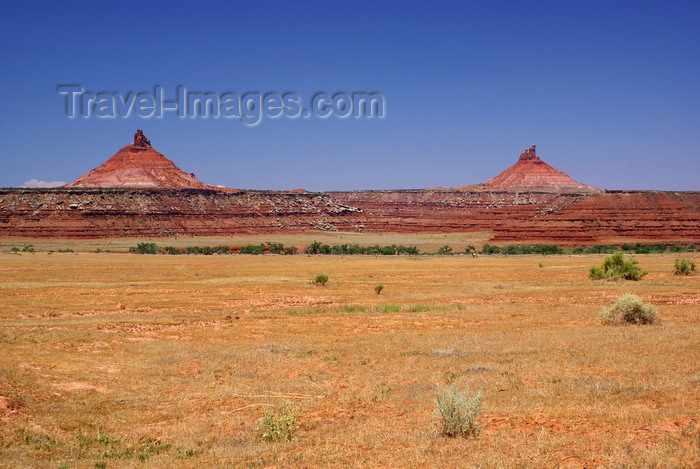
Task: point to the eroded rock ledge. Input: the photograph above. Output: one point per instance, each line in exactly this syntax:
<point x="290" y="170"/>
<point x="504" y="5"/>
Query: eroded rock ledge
<point x="90" y="212"/>
<point x="530" y="216"/>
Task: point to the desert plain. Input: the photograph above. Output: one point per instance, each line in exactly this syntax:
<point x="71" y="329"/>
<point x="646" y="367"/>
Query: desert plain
<point x="111" y="359"/>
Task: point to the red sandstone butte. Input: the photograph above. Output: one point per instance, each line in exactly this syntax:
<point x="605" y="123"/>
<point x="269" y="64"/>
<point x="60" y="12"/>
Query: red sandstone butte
<point x="139" y="166"/>
<point x="531" y="173"/>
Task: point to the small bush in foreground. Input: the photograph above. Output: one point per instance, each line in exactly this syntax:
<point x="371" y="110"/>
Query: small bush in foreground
<point x="630" y="309"/>
<point x="684" y="267"/>
<point x="280" y="425"/>
<point x="458" y="411"/>
<point x="616" y="267"/>
<point x="378" y="288"/>
<point x="321" y="279"/>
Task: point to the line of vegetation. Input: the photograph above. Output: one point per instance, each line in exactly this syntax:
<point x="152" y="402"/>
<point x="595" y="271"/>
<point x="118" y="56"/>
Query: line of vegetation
<point x="548" y="249"/>
<point x="277" y="248"/>
<point x="263" y="248"/>
<point x="522" y="249"/>
<point x="356" y="249"/>
<point x="317" y="248"/>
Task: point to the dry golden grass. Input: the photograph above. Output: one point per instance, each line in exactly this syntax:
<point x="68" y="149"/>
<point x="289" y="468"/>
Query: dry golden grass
<point x="204" y="346"/>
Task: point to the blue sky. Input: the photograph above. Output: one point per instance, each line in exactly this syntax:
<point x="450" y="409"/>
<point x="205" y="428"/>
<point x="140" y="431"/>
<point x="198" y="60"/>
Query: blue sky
<point x="609" y="91"/>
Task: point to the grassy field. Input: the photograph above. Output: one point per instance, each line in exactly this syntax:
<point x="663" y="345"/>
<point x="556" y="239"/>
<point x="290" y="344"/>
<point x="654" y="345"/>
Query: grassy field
<point x="121" y="360"/>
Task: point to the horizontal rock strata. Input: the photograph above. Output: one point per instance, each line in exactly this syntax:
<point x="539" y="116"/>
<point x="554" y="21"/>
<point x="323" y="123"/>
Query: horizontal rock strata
<point x="89" y="213"/>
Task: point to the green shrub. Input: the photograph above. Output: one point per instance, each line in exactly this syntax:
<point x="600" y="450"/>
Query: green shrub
<point x="547" y="249"/>
<point x="355" y="249"/>
<point x="378" y="288"/>
<point x="510" y="250"/>
<point x="313" y="248"/>
<point x="629" y="309"/>
<point x="390" y="250"/>
<point x="280" y="425"/>
<point x="444" y="250"/>
<point x="411" y="250"/>
<point x="321" y="279"/>
<point x="488" y="249"/>
<point x="458" y="411"/>
<point x="596" y="273"/>
<point x="615" y="267"/>
<point x="317" y="248"/>
<point x="599" y="249"/>
<point x="683" y="267"/>
<point x="144" y="248"/>
<point x="275" y="248"/>
<point x="255" y="249"/>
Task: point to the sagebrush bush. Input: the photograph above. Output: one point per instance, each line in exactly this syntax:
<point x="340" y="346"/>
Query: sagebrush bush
<point x="630" y="309"/>
<point x="321" y="279"/>
<point x="458" y="411"/>
<point x="279" y="425"/>
<point x="684" y="267"/>
<point x="616" y="267"/>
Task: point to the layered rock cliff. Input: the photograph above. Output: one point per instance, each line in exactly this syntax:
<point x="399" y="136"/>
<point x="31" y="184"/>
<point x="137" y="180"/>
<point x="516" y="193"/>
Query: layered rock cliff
<point x="534" y="216"/>
<point x="92" y="213"/>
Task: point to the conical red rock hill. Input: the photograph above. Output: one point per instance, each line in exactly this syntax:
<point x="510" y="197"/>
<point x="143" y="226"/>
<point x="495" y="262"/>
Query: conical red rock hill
<point x="531" y="173"/>
<point x="139" y="166"/>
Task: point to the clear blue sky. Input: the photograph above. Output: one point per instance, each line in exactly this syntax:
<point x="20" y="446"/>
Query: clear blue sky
<point x="608" y="90"/>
